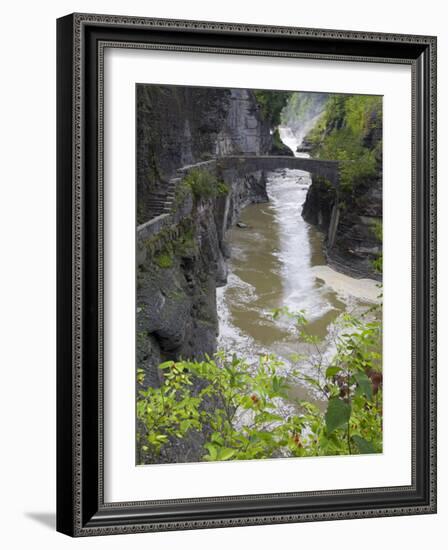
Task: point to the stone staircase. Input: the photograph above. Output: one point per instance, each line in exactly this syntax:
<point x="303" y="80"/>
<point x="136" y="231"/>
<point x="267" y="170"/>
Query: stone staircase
<point x="161" y="200"/>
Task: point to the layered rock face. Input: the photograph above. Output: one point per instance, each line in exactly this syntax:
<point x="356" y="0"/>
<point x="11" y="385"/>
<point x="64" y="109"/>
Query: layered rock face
<point x="180" y="267"/>
<point x="179" y="125"/>
<point x="244" y="131"/>
<point x="351" y="217"/>
<point x="178" y="272"/>
<point x="349" y="223"/>
<point x="176" y="283"/>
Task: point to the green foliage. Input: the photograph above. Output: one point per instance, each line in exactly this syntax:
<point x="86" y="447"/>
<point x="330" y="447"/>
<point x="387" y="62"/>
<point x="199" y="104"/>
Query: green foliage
<point x="238" y="409"/>
<point x="204" y="185"/>
<point x="378" y="232"/>
<point x="378" y="263"/>
<point x="168" y="411"/>
<point x="341" y="135"/>
<point x="337" y="415"/>
<point x="378" y="229"/>
<point x="362" y="112"/>
<point x="182" y="191"/>
<point x="201" y="183"/>
<point x="174" y="245"/>
<point x="345" y="145"/>
<point x="140" y="376"/>
<point x="164" y="259"/>
<point x="222" y="188"/>
<point x="271" y="105"/>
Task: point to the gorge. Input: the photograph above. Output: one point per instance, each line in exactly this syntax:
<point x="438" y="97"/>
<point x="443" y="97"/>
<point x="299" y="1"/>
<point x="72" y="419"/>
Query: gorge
<point x="230" y="229"/>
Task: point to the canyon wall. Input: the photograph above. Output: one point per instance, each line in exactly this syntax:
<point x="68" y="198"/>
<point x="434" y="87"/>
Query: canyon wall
<point x="351" y="214"/>
<point x="180" y="125"/>
<point x="179" y="267"/>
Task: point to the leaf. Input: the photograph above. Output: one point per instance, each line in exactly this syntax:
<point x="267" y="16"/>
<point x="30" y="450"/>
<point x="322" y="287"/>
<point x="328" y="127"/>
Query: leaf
<point x="217" y="438"/>
<point x="225" y="453"/>
<point x="365" y="447"/>
<point x="364" y="384"/>
<point x="338" y="414"/>
<point x="266" y="416"/>
<point x="331" y="371"/>
<point x="184" y="426"/>
<point x="213" y="451"/>
<point x="166" y="365"/>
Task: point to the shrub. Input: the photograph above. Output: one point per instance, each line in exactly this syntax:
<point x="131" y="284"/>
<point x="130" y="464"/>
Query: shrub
<point x="246" y="420"/>
<point x="222" y="188"/>
<point x="271" y="105"/>
<point x="340" y="135"/>
<point x="201" y="183"/>
<point x="344" y="145"/>
<point x="164" y="260"/>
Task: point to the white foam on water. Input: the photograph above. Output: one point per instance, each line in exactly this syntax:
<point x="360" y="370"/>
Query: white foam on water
<point x="287" y="198"/>
<point x="231" y="339"/>
<point x="366" y="290"/>
<point x="304" y="287"/>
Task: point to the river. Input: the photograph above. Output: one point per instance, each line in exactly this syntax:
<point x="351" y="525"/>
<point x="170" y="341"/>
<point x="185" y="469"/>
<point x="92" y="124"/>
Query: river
<point x="277" y="260"/>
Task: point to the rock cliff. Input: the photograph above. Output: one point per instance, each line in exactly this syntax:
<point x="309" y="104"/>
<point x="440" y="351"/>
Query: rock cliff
<point x="181" y="265"/>
<point x="351" y="215"/>
<point x="350" y="224"/>
<point x="180" y="125"/>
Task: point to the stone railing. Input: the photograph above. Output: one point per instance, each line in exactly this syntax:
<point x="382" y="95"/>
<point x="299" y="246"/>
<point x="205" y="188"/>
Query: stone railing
<point x="168" y="212"/>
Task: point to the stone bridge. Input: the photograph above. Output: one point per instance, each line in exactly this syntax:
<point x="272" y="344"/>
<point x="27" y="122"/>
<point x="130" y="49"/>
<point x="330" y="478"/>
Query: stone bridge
<point x="163" y="212"/>
<point x="328" y="169"/>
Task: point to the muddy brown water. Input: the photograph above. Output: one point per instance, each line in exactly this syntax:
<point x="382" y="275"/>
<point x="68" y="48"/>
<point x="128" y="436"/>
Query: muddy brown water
<point x="271" y="267"/>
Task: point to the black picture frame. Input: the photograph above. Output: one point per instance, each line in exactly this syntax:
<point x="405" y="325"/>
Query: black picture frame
<point x="81" y="510"/>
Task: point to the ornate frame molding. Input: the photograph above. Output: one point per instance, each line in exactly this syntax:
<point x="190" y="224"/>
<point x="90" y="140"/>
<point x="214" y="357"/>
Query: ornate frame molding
<point x="81" y="42"/>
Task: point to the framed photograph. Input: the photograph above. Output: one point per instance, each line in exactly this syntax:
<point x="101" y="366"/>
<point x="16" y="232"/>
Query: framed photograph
<point x="246" y="274"/>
